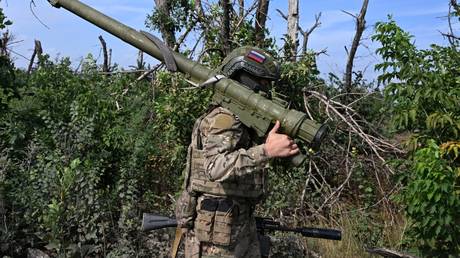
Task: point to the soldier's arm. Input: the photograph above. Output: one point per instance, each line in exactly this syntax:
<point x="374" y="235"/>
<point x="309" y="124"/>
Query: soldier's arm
<point x="278" y="145"/>
<point x="223" y="159"/>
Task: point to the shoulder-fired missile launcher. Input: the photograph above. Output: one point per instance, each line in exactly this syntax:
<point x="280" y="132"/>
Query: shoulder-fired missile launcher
<point x="254" y="110"/>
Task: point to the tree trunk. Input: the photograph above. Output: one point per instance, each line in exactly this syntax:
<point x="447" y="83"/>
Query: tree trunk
<point x="455" y="5"/>
<point x="6" y="37"/>
<point x="38" y="51"/>
<point x="105" y="64"/>
<point x="261" y="18"/>
<point x="306" y="34"/>
<point x="293" y="26"/>
<point x="167" y="32"/>
<point x="241" y="8"/>
<point x="360" y="26"/>
<point x="199" y="9"/>
<point x="140" y="60"/>
<point x="202" y="19"/>
<point x="110" y="58"/>
<point x="225" y="31"/>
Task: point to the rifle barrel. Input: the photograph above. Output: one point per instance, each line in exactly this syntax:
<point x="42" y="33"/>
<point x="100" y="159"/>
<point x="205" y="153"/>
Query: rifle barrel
<point x="153" y="221"/>
<point x="325" y="233"/>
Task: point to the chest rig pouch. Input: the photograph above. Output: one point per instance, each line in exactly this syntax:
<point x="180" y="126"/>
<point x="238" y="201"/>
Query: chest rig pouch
<point x="221" y="221"/>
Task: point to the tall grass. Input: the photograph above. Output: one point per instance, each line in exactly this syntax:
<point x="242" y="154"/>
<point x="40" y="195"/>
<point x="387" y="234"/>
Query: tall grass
<point x="360" y="231"/>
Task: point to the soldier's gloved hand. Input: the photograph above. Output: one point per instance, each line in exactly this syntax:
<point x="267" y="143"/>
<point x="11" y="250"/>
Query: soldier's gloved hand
<point x="279" y="145"/>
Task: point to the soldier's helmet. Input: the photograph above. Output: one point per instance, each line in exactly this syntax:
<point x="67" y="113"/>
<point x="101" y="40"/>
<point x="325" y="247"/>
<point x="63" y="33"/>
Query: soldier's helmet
<point x="249" y="65"/>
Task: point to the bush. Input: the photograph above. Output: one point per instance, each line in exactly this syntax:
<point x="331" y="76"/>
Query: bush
<point x="432" y="199"/>
<point x="423" y="95"/>
<point x="87" y="153"/>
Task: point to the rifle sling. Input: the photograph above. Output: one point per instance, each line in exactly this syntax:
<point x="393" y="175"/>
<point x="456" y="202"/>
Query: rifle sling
<point x="168" y="57"/>
<point x="176" y="243"/>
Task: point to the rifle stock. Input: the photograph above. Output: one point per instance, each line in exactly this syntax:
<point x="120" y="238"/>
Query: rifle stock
<point x="153" y="222"/>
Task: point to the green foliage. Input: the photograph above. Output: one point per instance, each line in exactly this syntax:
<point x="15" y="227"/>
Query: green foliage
<point x="7" y="86"/>
<point x="88" y="153"/>
<point x="8" y="89"/>
<point x="423" y="97"/>
<point x="423" y="85"/>
<point x="84" y="154"/>
<point x="432" y="197"/>
<point x="297" y="76"/>
<point x="179" y="16"/>
<point x="365" y="230"/>
<point x="3" y="20"/>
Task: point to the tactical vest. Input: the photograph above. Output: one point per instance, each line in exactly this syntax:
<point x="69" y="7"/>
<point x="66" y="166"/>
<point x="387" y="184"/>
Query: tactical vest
<point x="217" y="220"/>
<point x="250" y="186"/>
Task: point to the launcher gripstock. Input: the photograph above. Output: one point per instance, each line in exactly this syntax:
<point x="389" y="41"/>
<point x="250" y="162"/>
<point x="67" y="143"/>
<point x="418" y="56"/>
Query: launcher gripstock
<point x="153" y="221"/>
<point x="254" y="110"/>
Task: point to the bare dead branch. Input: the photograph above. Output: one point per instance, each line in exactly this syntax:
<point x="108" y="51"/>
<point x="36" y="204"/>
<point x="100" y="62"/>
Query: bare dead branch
<point x="455" y="5"/>
<point x="225" y="31"/>
<point x="350" y="123"/>
<point x="79" y="65"/>
<point x="451" y="37"/>
<point x="140" y="78"/>
<point x="348" y="116"/>
<point x="126" y="71"/>
<point x="240" y="8"/>
<point x="31" y="5"/>
<point x="261" y="18"/>
<point x="249" y="11"/>
<point x="306" y="34"/>
<point x="337" y="192"/>
<point x="321" y="52"/>
<point x="293" y="27"/>
<point x="146" y="73"/>
<point x="385" y="252"/>
<point x="167" y="33"/>
<point x="140" y="60"/>
<point x="203" y="21"/>
<point x="360" y="27"/>
<point x="352" y="15"/>
<point x="4" y="42"/>
<point x="37" y="52"/>
<point x="282" y="14"/>
<point x="105" y="64"/>
<point x="192" y="52"/>
<point x="184" y="35"/>
<point x="110" y="58"/>
<point x="307" y="181"/>
<point x="199" y="8"/>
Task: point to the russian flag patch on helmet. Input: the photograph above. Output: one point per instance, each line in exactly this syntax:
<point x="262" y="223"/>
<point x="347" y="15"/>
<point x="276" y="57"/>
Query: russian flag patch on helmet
<point x="256" y="56"/>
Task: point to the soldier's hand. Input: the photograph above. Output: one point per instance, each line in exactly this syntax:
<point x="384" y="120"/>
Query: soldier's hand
<point x="279" y="145"/>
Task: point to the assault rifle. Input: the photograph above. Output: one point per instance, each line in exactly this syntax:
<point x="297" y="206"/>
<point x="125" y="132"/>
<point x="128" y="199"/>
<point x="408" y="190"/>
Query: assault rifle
<point x="153" y="221"/>
<point x="254" y="110"/>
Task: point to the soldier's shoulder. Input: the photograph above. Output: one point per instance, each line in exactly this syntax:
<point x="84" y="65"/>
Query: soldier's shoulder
<point x="220" y="118"/>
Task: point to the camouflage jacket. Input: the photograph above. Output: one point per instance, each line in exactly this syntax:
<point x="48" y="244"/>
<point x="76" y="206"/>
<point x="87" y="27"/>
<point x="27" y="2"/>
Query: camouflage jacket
<point x="228" y="147"/>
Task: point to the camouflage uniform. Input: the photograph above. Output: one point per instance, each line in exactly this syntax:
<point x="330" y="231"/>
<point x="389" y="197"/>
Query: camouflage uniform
<point x="224" y="225"/>
<point x="225" y="173"/>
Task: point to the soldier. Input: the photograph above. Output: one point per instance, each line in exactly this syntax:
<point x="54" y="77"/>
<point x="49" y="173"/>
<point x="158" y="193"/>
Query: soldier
<point x="225" y="176"/>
